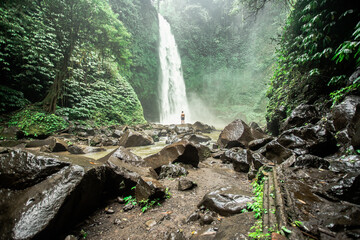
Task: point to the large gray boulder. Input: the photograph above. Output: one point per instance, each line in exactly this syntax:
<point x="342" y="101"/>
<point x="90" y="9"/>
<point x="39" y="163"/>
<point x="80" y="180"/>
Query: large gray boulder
<point x="183" y="152"/>
<point x="226" y="201"/>
<point x="302" y="114"/>
<point x="134" y="139"/>
<point x="238" y="134"/>
<point x="42" y="195"/>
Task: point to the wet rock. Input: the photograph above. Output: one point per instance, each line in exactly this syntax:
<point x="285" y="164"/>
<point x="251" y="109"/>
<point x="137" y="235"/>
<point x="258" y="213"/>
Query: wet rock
<point x="81" y="149"/>
<point x="238" y="134"/>
<point x="311" y="161"/>
<point x="180" y="129"/>
<point x="176" y="236"/>
<point x="201" y="127"/>
<point x="275" y="152"/>
<point x="97" y="140"/>
<point x="344" y="112"/>
<point x="117" y="221"/>
<point x="236" y="227"/>
<point x="354" y="129"/>
<point x="258" y="143"/>
<point x="312" y="196"/>
<point x="120" y="200"/>
<point x="172" y="138"/>
<point x="125" y="163"/>
<point x="21" y="169"/>
<point x="206" y="219"/>
<point x="109" y="210"/>
<point x="345" y="164"/>
<point x="172" y="171"/>
<point x="193" y="217"/>
<point x="258" y="160"/>
<point x="226" y="201"/>
<point x="197" y="138"/>
<point x="127" y="156"/>
<point x="183" y="152"/>
<point x="319" y="140"/>
<point x="240" y="158"/>
<point x="71" y="237"/>
<point x="149" y="188"/>
<point x="40" y="143"/>
<point x="185" y="184"/>
<point x="117" y="133"/>
<point x="134" y="139"/>
<point x="128" y="207"/>
<point x="347" y="188"/>
<point x="302" y="114"/>
<point x="150" y="223"/>
<point x="256" y="126"/>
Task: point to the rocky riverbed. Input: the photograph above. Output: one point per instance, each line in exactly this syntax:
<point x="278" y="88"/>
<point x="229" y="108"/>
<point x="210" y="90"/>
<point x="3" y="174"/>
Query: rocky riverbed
<point x="199" y="187"/>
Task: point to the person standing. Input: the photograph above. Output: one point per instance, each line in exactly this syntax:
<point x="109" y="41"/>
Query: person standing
<point x="182" y="117"/>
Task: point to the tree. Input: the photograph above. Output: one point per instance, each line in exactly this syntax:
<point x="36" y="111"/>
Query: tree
<point x="79" y="23"/>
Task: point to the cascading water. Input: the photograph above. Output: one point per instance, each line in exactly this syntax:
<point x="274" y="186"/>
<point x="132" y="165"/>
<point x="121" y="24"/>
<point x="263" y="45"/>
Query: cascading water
<point x="172" y="90"/>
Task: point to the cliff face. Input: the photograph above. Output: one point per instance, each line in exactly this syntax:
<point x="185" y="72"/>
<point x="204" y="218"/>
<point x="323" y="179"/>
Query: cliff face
<point x="315" y="59"/>
<point x="140" y="18"/>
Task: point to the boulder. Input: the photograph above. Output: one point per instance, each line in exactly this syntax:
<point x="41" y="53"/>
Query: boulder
<point x="302" y="114"/>
<point x="134" y="139"/>
<point x="275" y="152"/>
<point x="184" y="128"/>
<point x="124" y="162"/>
<point x="149" y="188"/>
<point x="238" y="134"/>
<point x="197" y="138"/>
<point x="236" y="227"/>
<point x="344" y="112"/>
<point x="311" y="161"/>
<point x="354" y="129"/>
<point x="22" y="169"/>
<point x="226" y="201"/>
<point x="346" y="188"/>
<point x="240" y="158"/>
<point x="345" y="164"/>
<point x="258" y="143"/>
<point x="117" y="133"/>
<point x="82" y="149"/>
<point x="183" y="152"/>
<point x="42" y="196"/>
<point x="40" y="143"/>
<point x="172" y="171"/>
<point x="256" y="126"/>
<point x="313" y="139"/>
<point x="201" y="127"/>
<point x="185" y="184"/>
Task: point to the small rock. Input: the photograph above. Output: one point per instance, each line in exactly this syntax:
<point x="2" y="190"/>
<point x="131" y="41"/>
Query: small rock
<point x="128" y="207"/>
<point x="193" y="217"/>
<point x="150" y="223"/>
<point x="117" y="221"/>
<point x="176" y="236"/>
<point x="70" y="237"/>
<point x="206" y="219"/>
<point x="120" y="200"/>
<point x="109" y="210"/>
<point x="185" y="184"/>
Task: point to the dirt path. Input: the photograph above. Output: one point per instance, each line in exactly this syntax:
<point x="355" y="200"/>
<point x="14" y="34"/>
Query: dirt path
<point x="158" y="222"/>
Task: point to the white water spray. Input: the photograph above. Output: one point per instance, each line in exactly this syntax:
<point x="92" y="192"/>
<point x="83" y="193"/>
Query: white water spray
<point x="172" y="90"/>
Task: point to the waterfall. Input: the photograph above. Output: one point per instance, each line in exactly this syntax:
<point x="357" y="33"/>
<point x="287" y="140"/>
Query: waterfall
<point x="172" y="90"/>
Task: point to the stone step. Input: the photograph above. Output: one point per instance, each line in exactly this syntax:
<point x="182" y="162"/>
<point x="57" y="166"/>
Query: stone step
<point x="274" y="216"/>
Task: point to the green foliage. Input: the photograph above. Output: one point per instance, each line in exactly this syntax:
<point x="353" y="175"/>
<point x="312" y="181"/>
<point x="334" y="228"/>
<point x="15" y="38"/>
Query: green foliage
<point x="11" y="99"/>
<point x="34" y="122"/>
<point x="140" y="18"/>
<point x="305" y="70"/>
<point x="80" y="45"/>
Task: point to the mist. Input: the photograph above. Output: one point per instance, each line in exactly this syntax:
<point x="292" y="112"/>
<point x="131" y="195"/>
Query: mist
<point x="227" y="57"/>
